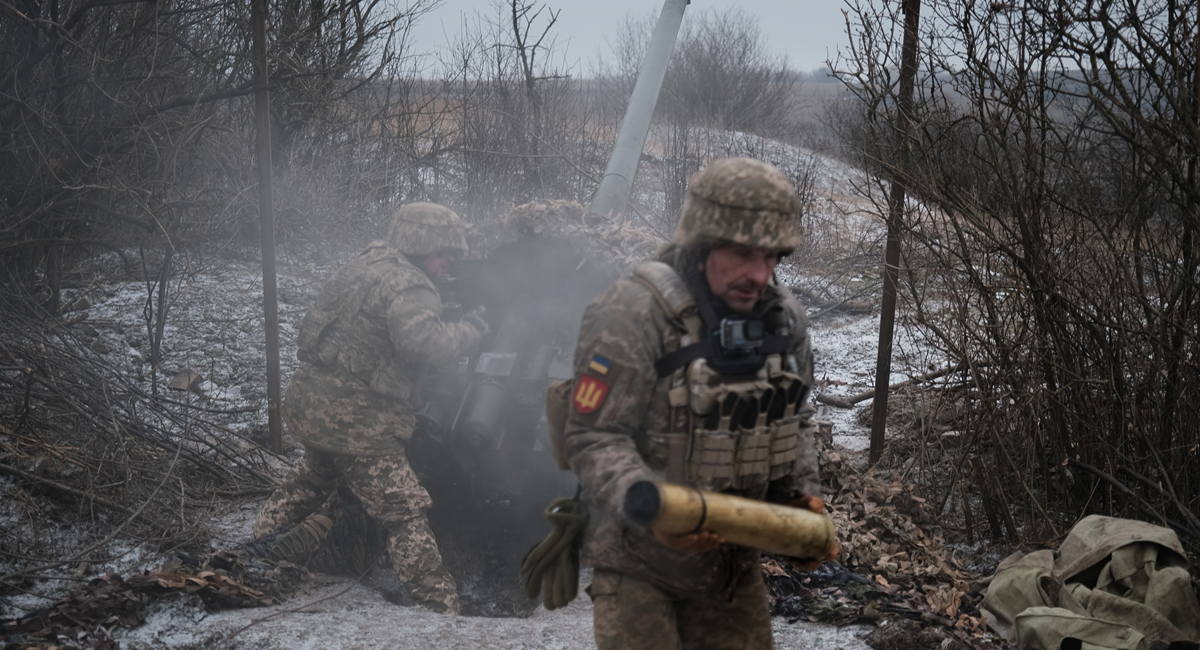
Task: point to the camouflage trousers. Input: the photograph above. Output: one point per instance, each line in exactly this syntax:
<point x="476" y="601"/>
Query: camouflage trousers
<point x="634" y="615"/>
<point x="390" y="492"/>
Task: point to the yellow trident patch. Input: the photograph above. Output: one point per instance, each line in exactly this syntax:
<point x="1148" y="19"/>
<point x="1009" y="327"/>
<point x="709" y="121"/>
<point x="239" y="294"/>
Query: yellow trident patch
<point x="589" y="394"/>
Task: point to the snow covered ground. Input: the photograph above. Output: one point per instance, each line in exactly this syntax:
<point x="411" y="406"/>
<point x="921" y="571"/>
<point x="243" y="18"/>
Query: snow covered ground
<point x="346" y="614"/>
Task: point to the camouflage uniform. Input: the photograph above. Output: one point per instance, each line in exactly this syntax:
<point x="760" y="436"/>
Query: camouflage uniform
<point x="364" y="347"/>
<point x="646" y="595"/>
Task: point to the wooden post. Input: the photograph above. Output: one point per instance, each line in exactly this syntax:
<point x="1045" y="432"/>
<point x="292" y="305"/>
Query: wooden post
<point x="266" y="216"/>
<point x="968" y="520"/>
<point x="985" y="497"/>
<point x="891" y="262"/>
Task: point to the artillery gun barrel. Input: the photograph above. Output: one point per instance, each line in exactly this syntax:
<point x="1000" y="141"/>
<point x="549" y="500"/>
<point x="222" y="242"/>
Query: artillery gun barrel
<point x="613" y="193"/>
<point x="680" y="510"/>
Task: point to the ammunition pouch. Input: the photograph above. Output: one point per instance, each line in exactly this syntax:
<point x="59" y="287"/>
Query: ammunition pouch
<point x="744" y="432"/>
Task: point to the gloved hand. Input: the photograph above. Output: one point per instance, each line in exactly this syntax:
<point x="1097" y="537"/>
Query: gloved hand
<point x="552" y="567"/>
<point x="817" y="505"/>
<point x="474" y="318"/>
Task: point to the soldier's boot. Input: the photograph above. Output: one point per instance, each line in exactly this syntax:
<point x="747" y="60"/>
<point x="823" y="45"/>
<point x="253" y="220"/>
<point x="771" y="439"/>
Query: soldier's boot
<point x="303" y="492"/>
<point x="302" y="541"/>
<point x="415" y="556"/>
<point x="436" y="592"/>
<point x="353" y="546"/>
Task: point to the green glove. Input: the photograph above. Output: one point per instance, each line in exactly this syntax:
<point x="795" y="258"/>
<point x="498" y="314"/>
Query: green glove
<point x="552" y="567"/>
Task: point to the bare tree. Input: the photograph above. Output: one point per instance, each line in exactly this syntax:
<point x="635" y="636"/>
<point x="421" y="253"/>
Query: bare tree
<point x="1053" y="255"/>
<point x="112" y="116"/>
<point x="722" y="75"/>
<point x="519" y="117"/>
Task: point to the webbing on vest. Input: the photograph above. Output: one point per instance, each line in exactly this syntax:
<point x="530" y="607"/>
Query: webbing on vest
<point x="672" y="361"/>
<point x="676" y="295"/>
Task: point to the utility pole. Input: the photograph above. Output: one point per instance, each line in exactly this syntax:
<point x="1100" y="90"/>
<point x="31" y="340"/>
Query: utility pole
<point x="266" y="219"/>
<point x="891" y="262"/>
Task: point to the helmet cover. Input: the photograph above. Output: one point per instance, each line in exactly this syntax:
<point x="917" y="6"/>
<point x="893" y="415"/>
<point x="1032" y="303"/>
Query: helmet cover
<point x="739" y="201"/>
<point x="419" y="229"/>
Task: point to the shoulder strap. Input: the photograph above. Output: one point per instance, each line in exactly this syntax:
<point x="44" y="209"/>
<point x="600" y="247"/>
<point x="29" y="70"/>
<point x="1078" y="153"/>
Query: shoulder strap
<point x="666" y="284"/>
<point x="671" y="291"/>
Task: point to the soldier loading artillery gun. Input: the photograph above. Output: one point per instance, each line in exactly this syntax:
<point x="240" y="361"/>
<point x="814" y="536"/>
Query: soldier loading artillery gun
<point x="484" y="425"/>
<point x="479" y="436"/>
<point x="364" y="349"/>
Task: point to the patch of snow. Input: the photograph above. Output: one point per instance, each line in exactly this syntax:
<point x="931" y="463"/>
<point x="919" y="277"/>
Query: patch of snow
<point x="347" y="614"/>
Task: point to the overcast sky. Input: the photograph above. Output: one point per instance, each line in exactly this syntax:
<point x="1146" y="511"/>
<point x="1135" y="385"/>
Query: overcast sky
<point x="805" y="31"/>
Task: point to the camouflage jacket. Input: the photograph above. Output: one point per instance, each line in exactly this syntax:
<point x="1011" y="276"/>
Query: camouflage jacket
<point x="629" y="328"/>
<point x="365" y="347"/>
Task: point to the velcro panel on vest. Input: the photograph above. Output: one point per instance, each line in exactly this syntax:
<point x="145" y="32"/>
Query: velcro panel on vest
<point x="754" y="451"/>
<point x="713" y="458"/>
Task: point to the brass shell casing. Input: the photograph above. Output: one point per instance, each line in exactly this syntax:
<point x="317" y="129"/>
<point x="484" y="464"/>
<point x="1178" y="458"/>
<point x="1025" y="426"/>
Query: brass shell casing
<point x="680" y="510"/>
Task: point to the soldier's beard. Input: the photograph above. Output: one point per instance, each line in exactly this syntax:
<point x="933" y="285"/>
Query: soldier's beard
<point x="741" y="296"/>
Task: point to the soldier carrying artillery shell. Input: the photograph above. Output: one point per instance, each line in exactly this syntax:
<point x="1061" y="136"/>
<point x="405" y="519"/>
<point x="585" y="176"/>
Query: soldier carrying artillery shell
<point x="696" y="370"/>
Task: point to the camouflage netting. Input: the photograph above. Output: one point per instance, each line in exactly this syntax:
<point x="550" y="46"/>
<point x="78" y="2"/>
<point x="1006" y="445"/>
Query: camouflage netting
<point x="617" y="244"/>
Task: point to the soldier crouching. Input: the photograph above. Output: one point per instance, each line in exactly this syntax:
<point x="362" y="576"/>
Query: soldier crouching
<point x="696" y="370"/>
<point x="364" y="349"/>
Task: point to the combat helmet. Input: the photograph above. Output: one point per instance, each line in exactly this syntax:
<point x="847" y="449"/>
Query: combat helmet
<point x="419" y="229"/>
<point x="739" y="201"/>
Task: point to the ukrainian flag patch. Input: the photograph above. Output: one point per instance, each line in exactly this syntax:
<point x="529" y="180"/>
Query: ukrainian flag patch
<point x="599" y="364"/>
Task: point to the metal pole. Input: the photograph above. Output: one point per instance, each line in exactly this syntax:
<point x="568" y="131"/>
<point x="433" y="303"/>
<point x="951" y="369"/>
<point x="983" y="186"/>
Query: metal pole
<point x="891" y="261"/>
<point x="262" y="113"/>
<point x="613" y="193"/>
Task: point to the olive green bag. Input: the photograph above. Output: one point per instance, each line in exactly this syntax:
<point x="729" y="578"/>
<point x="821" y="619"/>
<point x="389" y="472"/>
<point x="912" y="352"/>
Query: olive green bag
<point x="552" y="566"/>
<point x="1114" y="583"/>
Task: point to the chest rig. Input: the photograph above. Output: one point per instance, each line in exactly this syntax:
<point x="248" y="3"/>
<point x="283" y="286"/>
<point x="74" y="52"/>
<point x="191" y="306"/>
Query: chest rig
<point x="734" y="403"/>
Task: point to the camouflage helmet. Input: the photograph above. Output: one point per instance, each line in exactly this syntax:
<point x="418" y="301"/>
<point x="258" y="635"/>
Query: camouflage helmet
<point x="739" y="201"/>
<point x="419" y="229"/>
